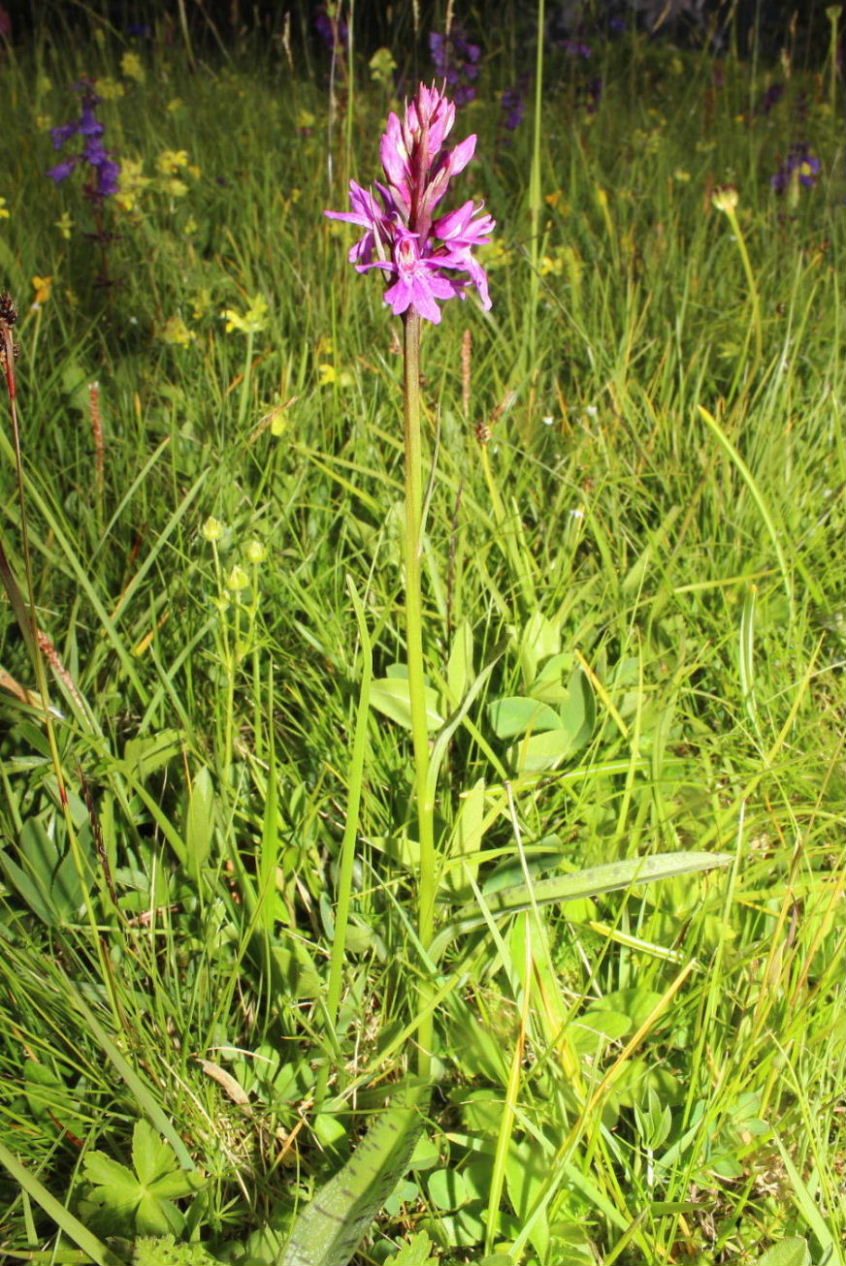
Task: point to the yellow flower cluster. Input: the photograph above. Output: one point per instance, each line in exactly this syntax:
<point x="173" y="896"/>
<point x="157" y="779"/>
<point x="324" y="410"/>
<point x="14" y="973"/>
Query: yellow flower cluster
<point x="110" y="89"/>
<point x="43" y="287"/>
<point x="250" y="322"/>
<point x="170" y="161"/>
<point x="176" y="333"/>
<point x="132" y="66"/>
<point x="169" y="165"/>
<point x="132" y="183"/>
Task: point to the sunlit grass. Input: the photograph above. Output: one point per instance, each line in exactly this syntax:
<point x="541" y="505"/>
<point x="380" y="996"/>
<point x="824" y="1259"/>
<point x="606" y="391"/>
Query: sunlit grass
<point x="670" y="1058"/>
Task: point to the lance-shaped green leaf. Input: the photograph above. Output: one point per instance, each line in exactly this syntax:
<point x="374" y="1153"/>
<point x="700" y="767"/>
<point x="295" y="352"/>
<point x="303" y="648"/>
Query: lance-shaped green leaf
<point x="584" y="883"/>
<point x="330" y="1229"/>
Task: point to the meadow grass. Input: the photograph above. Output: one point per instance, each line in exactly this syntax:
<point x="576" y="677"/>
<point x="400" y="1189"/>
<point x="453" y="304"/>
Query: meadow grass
<point x="635" y="514"/>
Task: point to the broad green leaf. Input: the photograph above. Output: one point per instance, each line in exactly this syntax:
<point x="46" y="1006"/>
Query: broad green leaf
<point x="517" y="714"/>
<point x="146" y="755"/>
<point x="792" y="1251"/>
<point x="541" y="638"/>
<point x="29" y="891"/>
<point x="446" y="1189"/>
<point x="414" y="1253"/>
<point x="75" y="382"/>
<point x="526" y="1170"/>
<point x="199" y="825"/>
<point x="550" y="684"/>
<point x="460" y="663"/>
<point x="595" y="1029"/>
<point x="636" y="1002"/>
<point x="541" y="751"/>
<point x="121" y="1184"/>
<point x="578" y="711"/>
<point x="158" y="1217"/>
<point x="46" y="1092"/>
<point x="46" y="878"/>
<point x="390" y="696"/>
<point x="151" y="1156"/>
<point x="329" y="1230"/>
<point x="466" y="838"/>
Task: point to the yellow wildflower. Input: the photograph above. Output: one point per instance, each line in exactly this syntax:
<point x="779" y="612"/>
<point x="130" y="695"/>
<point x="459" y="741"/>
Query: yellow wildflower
<point x="132" y="67"/>
<point x="110" y="89"/>
<point x="202" y="304"/>
<point x="133" y="182"/>
<point x="175" y="105"/>
<point x="494" y="254"/>
<point x="175" y="188"/>
<point x="327" y="374"/>
<point x="252" y="321"/>
<point x="725" y="199"/>
<point x="4" y="210"/>
<point x="176" y="332"/>
<point x="170" y="161"/>
<point x="382" y="67"/>
<point x="43" y="122"/>
<point x="305" y="119"/>
<point x="43" y="290"/>
<point x="65" y="225"/>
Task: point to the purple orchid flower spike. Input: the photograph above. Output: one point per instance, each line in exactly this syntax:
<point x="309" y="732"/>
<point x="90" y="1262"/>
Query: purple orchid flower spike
<point x="418" y="253"/>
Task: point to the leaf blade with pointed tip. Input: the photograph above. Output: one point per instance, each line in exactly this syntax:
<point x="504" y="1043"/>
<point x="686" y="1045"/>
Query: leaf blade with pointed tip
<point x="329" y="1230"/>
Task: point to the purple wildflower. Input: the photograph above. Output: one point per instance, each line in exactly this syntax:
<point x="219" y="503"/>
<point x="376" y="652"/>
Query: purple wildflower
<point x="770" y="99"/>
<point x="577" y="48"/>
<point x="417" y="252"/>
<point x="456" y="61"/>
<point x="593" y="94"/>
<point x="62" y="170"/>
<point x="105" y="169"/>
<point x="800" y="167"/>
<point x="331" y="28"/>
<point x="513" y="102"/>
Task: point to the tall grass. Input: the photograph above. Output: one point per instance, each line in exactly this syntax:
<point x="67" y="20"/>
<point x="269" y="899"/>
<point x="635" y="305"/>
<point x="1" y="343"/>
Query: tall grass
<point x="634" y="515"/>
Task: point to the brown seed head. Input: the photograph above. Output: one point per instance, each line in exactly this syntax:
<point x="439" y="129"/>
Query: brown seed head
<point x="8" y="311"/>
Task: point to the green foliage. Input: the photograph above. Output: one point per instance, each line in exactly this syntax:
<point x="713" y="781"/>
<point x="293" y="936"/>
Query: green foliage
<point x="632" y="591"/>
<point x="140" y="1200"/>
<point x="414" y="1253"/>
<point x="164" y="1250"/>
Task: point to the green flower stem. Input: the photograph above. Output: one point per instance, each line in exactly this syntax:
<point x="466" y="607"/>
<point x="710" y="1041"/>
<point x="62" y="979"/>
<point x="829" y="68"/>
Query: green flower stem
<point x="244" y="398"/>
<point x="750" y="280"/>
<point x="423" y="794"/>
<point x="535" y="199"/>
<point x="345" y="875"/>
<point x="833" y="15"/>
